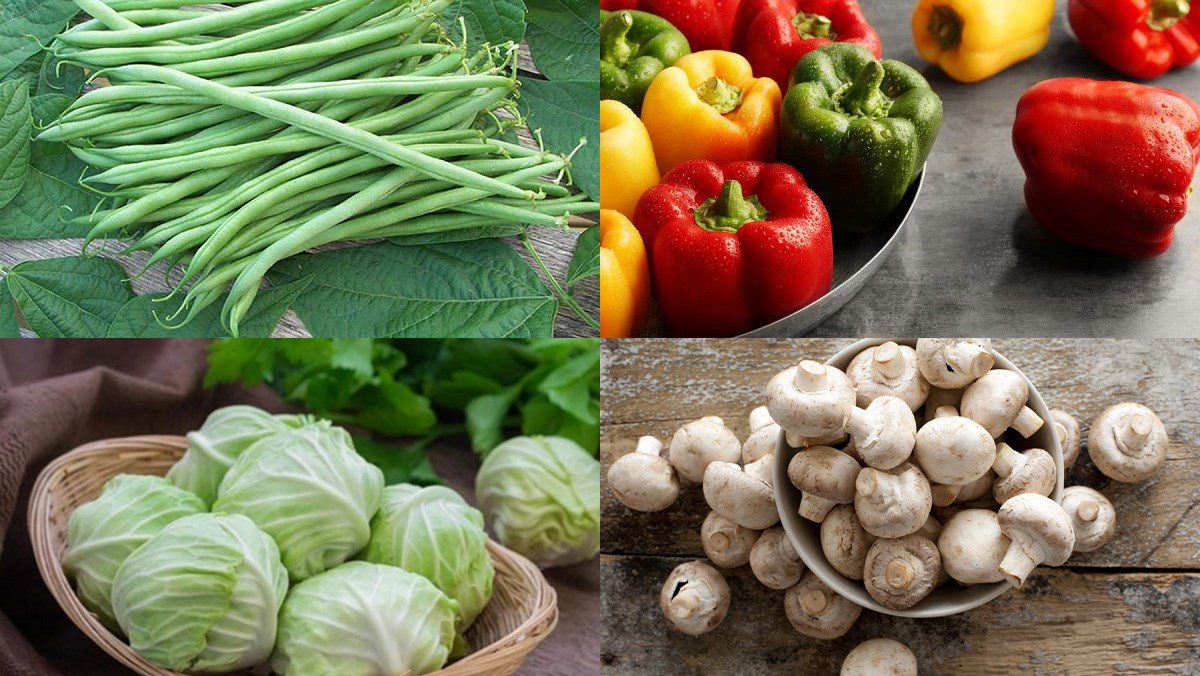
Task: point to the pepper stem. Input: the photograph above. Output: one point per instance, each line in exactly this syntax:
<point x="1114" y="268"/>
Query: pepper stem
<point x="614" y="42"/>
<point x="730" y="210"/>
<point x="810" y="25"/>
<point x="865" y="98"/>
<point x="719" y="94"/>
<point x="946" y="26"/>
<point x="1166" y="13"/>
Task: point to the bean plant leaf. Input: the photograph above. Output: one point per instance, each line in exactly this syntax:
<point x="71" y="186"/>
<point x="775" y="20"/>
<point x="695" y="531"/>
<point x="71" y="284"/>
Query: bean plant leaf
<point x="568" y="112"/>
<point x="61" y="78"/>
<point x="26" y="23"/>
<point x="28" y="71"/>
<point x="564" y="38"/>
<point x="16" y="126"/>
<point x="467" y="235"/>
<point x="76" y="297"/>
<point x="586" y="261"/>
<point x="144" y="316"/>
<point x="8" y="313"/>
<point x="490" y="21"/>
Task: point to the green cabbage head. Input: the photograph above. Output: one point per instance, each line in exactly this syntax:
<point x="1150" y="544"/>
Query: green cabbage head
<point x="310" y="491"/>
<point x="541" y="496"/>
<point x="225" y="435"/>
<point x="202" y="595"/>
<point x="363" y="619"/>
<point x="434" y="533"/>
<point x="102" y="533"/>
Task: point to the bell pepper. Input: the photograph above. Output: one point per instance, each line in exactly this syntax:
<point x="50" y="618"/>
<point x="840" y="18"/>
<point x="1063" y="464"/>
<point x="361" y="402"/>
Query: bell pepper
<point x="709" y="105"/>
<point x="634" y="48"/>
<point x="734" y="247"/>
<point x="775" y="34"/>
<point x="1141" y="38"/>
<point x="705" y="23"/>
<point x="973" y="40"/>
<point x="624" y="277"/>
<point x="859" y="129"/>
<point x="1108" y="165"/>
<point x="627" y="166"/>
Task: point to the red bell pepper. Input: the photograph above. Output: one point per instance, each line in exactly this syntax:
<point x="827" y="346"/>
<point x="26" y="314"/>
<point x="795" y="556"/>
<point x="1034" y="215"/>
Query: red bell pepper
<point x="1141" y="38"/>
<point x="705" y="23"/>
<point x="1109" y="165"/>
<point x="734" y="247"/>
<point x="775" y="34"/>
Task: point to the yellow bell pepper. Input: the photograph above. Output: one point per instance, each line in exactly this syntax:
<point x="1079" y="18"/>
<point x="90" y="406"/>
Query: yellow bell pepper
<point x="627" y="167"/>
<point x="624" y="277"/>
<point x="973" y="40"/>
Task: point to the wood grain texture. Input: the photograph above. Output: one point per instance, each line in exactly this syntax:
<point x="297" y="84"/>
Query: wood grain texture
<point x="1136" y="600"/>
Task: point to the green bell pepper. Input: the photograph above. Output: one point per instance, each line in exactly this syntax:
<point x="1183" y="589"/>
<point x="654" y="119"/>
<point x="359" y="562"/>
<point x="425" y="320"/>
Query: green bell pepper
<point x="859" y="129"/>
<point x="634" y="48"/>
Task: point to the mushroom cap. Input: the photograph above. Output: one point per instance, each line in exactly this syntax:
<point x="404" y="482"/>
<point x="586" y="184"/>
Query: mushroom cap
<point x="977" y="488"/>
<point x="700" y="442"/>
<point x="764" y="436"/>
<point x="884" y="433"/>
<point x="643" y="481"/>
<point x="954" y="363"/>
<point x="887" y="370"/>
<point x="815" y="610"/>
<point x="1069" y="436"/>
<point x="880" y="657"/>
<point x="1092" y="517"/>
<point x="742" y="494"/>
<point x="824" y="472"/>
<point x="1127" y="442"/>
<point x="892" y="503"/>
<point x="1029" y="471"/>
<point x="845" y="542"/>
<point x="1040" y="532"/>
<point x="995" y="400"/>
<point x="725" y="543"/>
<point x="899" y="572"/>
<point x="695" y="598"/>
<point x="810" y="400"/>
<point x="774" y="560"/>
<point x="954" y="450"/>
<point x="972" y="545"/>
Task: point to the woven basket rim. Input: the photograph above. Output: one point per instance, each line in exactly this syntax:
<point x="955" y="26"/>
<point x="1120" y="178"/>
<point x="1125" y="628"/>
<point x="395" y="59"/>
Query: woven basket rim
<point x="504" y="655"/>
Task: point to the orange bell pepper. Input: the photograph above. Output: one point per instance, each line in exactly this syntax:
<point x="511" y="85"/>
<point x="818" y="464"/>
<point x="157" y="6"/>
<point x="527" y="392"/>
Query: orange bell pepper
<point x="624" y="277"/>
<point x="710" y="106"/>
<point x="627" y="167"/>
<point x="973" y="40"/>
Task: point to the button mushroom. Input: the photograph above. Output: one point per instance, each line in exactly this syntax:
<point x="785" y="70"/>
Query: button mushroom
<point x="700" y="442"/>
<point x="884" y="433"/>
<point x="1069" y="437"/>
<point x="644" y="480"/>
<point x="825" y="477"/>
<point x="954" y="450"/>
<point x="774" y="561"/>
<point x="764" y="436"/>
<point x="1092" y="517"/>
<point x="726" y="543"/>
<point x="815" y="610"/>
<point x="845" y="542"/>
<point x="899" y="572"/>
<point x="744" y="495"/>
<point x="972" y="546"/>
<point x="880" y="657"/>
<point x="695" y="598"/>
<point x="1040" y="532"/>
<point x="810" y="400"/>
<point x="887" y="370"/>
<point x="997" y="401"/>
<point x="1127" y="442"/>
<point x="1028" y="471"/>
<point x="892" y="503"/>
<point x="954" y="363"/>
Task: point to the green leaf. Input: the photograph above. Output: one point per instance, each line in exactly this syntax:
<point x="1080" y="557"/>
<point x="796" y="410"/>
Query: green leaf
<point x="248" y="361"/>
<point x="468" y="289"/>
<point x="408" y="464"/>
<point x="16" y="127"/>
<point x="26" y="23"/>
<point x="60" y="78"/>
<point x="77" y="297"/>
<point x="586" y="261"/>
<point x="564" y="38"/>
<point x="490" y="21"/>
<point x="467" y="235"/>
<point x="46" y="108"/>
<point x="541" y="416"/>
<point x="567" y="112"/>
<point x="396" y="409"/>
<point x="8" y="313"/>
<point x="569" y="386"/>
<point x="485" y="419"/>
<point x="141" y="316"/>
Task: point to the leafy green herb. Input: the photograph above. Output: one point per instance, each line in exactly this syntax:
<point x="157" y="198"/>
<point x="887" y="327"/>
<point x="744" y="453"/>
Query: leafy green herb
<point x="76" y="297"/>
<point x="401" y="464"/>
<point x="568" y="112"/>
<point x="16" y="125"/>
<point x="564" y="38"/>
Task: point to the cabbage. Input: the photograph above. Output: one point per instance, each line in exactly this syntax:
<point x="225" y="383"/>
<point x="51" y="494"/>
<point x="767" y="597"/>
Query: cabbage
<point x="541" y="496"/>
<point x="364" y="619"/>
<point x="212" y="449"/>
<point x="310" y="491"/>
<point x="202" y="595"/>
<point x="434" y="533"/>
<point x="101" y="534"/>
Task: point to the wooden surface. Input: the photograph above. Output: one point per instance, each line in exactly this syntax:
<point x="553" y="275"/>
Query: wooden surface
<point x="1133" y="606"/>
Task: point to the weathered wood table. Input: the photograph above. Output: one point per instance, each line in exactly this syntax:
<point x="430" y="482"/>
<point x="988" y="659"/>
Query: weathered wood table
<point x="1133" y="606"/>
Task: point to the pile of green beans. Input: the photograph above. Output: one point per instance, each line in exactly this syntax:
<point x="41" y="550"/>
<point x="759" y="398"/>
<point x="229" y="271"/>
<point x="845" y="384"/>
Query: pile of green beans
<point x="230" y="140"/>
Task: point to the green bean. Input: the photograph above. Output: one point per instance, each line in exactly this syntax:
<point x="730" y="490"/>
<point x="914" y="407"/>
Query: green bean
<point x="195" y="26"/>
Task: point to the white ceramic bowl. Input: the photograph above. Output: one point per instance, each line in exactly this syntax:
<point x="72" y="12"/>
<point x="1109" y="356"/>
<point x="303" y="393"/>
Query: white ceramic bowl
<point x="805" y="535"/>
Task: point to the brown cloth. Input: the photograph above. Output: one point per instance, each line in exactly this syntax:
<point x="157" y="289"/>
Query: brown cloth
<point x="58" y="394"/>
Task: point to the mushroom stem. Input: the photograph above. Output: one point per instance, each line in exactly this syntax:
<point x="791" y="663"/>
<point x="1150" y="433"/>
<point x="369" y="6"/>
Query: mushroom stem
<point x="1017" y="564"/>
<point x="945" y="412"/>
<point x="811" y="376"/>
<point x="970" y="358"/>
<point x="899" y="574"/>
<point x="1088" y="510"/>
<point x="686" y="602"/>
<point x="1027" y="422"/>
<point x="1133" y="433"/>
<point x="815" y="601"/>
<point x="889" y="362"/>
<point x="649" y="445"/>
<point x="1006" y="460"/>
<point x="814" y="507"/>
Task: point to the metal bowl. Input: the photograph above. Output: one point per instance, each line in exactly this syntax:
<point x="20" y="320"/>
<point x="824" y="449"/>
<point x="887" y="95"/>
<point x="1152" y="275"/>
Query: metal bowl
<point x="948" y="599"/>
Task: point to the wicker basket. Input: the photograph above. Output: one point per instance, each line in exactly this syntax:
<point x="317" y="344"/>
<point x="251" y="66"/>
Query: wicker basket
<point x="522" y="612"/>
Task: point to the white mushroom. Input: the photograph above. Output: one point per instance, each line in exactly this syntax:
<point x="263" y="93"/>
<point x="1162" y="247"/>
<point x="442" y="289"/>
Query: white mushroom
<point x="900" y="572"/>
<point x="1127" y="442"/>
<point x="695" y="598"/>
<point x="977" y="488"/>
<point x="944" y="494"/>
<point x="810" y="400"/>
<point x="845" y="542"/>
<point x="1029" y="471"/>
<point x="743" y="494"/>
<point x="764" y="436"/>
<point x="815" y="610"/>
<point x="880" y="657"/>
<point x="972" y="546"/>
<point x="887" y="370"/>
<point x="954" y="363"/>
<point x="644" y="480"/>
<point x="892" y="503"/>
<point x="700" y="442"/>
<point x="774" y="561"/>
<point x="954" y="450"/>
<point x="1040" y="532"/>
<point x="825" y="477"/>
<point x="1067" y="429"/>
<point x="1092" y="517"/>
<point x="726" y="543"/>
<point x="997" y="401"/>
<point x="884" y="433"/>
